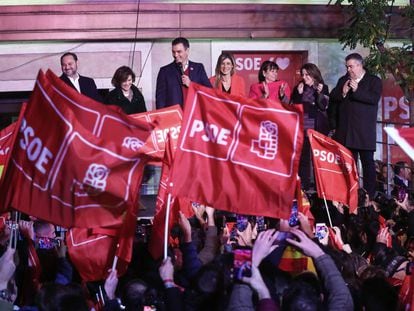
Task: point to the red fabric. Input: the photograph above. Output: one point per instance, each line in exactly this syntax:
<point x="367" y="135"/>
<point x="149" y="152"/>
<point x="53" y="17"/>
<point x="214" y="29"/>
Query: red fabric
<point x="257" y="90"/>
<point x="333" y="240"/>
<point x="238" y="85"/>
<point x="6" y="143"/>
<point x="238" y="154"/>
<point x="166" y="121"/>
<point x="92" y="252"/>
<point x="404" y="137"/>
<point x="335" y="170"/>
<point x="303" y="203"/>
<point x="156" y="243"/>
<point x="69" y="173"/>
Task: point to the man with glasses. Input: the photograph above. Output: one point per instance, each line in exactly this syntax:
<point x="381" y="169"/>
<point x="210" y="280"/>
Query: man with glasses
<point x="353" y="108"/>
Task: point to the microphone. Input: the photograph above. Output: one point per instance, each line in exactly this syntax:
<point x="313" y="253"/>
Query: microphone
<point x="180" y="67"/>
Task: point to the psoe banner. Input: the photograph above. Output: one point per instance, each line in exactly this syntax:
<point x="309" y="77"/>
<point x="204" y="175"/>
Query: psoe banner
<point x="238" y="154"/>
<point x="61" y="172"/>
<point x="167" y="123"/>
<point x="335" y="170"/>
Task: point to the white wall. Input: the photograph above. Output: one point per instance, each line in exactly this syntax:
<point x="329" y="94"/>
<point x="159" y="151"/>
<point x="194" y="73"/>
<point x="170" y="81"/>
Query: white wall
<point x="20" y="62"/>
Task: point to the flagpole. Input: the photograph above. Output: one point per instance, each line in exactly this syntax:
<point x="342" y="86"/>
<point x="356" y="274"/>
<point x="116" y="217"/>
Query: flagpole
<point x="115" y="262"/>
<point x="167" y="221"/>
<point x="327" y="210"/>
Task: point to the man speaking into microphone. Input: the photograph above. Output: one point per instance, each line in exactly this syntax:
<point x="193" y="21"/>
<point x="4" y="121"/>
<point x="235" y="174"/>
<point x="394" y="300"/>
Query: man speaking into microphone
<point x="174" y="78"/>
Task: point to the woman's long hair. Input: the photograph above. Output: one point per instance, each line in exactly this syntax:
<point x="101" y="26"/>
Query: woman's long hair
<point x="313" y="71"/>
<point x="221" y="58"/>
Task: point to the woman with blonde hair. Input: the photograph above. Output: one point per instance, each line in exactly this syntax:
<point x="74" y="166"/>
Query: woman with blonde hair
<point x="225" y="78"/>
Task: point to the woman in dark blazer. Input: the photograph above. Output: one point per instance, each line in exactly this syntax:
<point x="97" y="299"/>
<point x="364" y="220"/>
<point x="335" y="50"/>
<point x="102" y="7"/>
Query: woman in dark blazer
<point x="126" y="95"/>
<point x="312" y="93"/>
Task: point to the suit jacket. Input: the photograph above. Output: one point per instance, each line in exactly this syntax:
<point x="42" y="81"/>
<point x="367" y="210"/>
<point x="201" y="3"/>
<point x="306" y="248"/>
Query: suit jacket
<point x="169" y="87"/>
<point x="355" y="117"/>
<point x="238" y="86"/>
<point x="136" y="105"/>
<point x="256" y="90"/>
<point x="87" y="86"/>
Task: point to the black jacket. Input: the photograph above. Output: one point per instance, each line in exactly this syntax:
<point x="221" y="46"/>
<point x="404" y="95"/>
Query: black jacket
<point x="136" y="105"/>
<point x="87" y="86"/>
<point x="354" y="117"/>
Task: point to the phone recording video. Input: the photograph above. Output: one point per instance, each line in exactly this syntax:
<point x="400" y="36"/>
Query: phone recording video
<point x="293" y="219"/>
<point x="242" y="263"/>
<point x="260" y="222"/>
<point x="242" y="223"/>
<point x="143" y="229"/>
<point x="322" y="233"/>
<point x="47" y="243"/>
<point x="232" y="230"/>
<point x="401" y="194"/>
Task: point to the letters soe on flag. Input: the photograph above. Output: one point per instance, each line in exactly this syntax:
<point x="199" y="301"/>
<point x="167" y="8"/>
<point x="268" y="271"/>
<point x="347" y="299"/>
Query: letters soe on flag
<point x="69" y="165"/>
<point x="335" y="170"/>
<point x="167" y="122"/>
<point x="238" y="154"/>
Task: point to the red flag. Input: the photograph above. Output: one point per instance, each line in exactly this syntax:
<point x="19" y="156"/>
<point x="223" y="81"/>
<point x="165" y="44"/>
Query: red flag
<point x="6" y="143"/>
<point x="62" y="173"/>
<point x="156" y="243"/>
<point x="92" y="251"/>
<point x="335" y="170"/>
<point x="167" y="122"/>
<point x="303" y="203"/>
<point x="404" y="137"/>
<point x="238" y="154"/>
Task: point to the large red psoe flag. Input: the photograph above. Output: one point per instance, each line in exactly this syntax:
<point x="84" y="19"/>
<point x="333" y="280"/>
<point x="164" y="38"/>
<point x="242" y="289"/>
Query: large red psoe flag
<point x="335" y="170"/>
<point x="70" y="173"/>
<point x="238" y="154"/>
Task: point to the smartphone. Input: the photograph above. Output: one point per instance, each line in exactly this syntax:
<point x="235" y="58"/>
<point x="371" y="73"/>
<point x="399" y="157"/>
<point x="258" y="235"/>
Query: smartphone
<point x="14" y="234"/>
<point x="232" y="230"/>
<point x="242" y="263"/>
<point x="401" y="194"/>
<point x="261" y="226"/>
<point x="143" y="229"/>
<point x="242" y="222"/>
<point x="47" y="243"/>
<point x="195" y="204"/>
<point x="322" y="233"/>
<point x="293" y="219"/>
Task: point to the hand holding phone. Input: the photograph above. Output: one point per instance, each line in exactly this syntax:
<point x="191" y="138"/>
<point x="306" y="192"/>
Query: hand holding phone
<point x="322" y="233"/>
<point x="293" y="219"/>
<point x="242" y="263"/>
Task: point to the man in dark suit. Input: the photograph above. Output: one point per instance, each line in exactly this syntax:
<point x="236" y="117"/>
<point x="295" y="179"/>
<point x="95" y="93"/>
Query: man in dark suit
<point x="402" y="179"/>
<point x="174" y="79"/>
<point x="353" y="115"/>
<point x="84" y="85"/>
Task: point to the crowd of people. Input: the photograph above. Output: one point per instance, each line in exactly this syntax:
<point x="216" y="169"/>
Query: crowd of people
<point x="224" y="261"/>
<point x="322" y="258"/>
